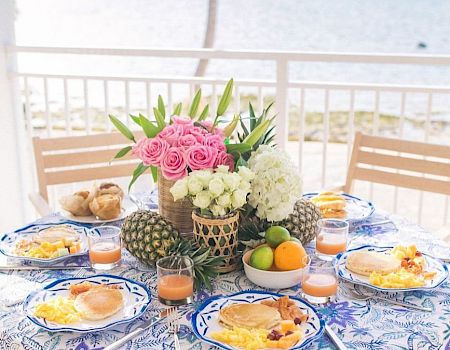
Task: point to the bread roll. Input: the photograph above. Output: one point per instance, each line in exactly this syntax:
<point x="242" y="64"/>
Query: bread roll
<point x="77" y="203"/>
<point x="110" y="188"/>
<point x="107" y="206"/>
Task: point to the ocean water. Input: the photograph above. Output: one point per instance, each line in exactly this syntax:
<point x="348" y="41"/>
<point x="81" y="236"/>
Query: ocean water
<point x="316" y="25"/>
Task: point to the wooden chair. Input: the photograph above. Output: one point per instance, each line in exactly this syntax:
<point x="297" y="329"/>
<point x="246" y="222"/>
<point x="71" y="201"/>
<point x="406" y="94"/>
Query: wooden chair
<point x="384" y="152"/>
<point x="74" y="159"/>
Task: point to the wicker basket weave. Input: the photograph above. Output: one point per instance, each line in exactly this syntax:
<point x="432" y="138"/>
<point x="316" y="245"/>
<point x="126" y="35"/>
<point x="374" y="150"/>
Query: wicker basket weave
<point x="221" y="234"/>
<point x="179" y="212"/>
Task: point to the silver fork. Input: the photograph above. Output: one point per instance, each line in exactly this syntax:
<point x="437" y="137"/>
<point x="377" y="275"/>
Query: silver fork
<point x="172" y="323"/>
<point x="364" y="297"/>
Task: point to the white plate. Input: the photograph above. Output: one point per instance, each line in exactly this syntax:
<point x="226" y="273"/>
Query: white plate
<point x="8" y="242"/>
<point x="127" y="208"/>
<point x="433" y="264"/>
<point x="137" y="298"/>
<point x="206" y="318"/>
<point x="357" y="209"/>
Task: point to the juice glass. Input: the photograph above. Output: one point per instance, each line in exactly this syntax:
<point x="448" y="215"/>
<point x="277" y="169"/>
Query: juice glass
<point x="331" y="238"/>
<point x="175" y="280"/>
<point x="319" y="284"/>
<point x="104" y="247"/>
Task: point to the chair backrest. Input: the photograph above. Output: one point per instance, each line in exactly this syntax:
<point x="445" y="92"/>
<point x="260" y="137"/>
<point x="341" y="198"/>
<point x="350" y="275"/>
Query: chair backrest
<point x="381" y="152"/>
<point x="72" y="159"/>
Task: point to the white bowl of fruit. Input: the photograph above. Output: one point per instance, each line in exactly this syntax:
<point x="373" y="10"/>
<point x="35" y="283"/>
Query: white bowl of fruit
<point x="277" y="264"/>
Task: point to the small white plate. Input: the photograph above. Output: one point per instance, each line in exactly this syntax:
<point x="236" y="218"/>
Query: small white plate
<point x="137" y="298"/>
<point x="8" y="243"/>
<point x="357" y="209"/>
<point x="206" y="318"/>
<point x="433" y="264"/>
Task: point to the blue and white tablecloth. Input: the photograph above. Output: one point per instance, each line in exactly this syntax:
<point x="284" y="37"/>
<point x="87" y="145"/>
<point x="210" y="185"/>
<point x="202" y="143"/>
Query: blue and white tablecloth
<point x="360" y="324"/>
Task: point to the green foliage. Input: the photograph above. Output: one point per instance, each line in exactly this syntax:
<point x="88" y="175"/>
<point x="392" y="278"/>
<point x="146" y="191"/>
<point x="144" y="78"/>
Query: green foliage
<point x="123" y="152"/>
<point x="122" y="128"/>
<point x="195" y="103"/>
<point x="177" y="109"/>
<point x="140" y="169"/>
<point x="161" y="107"/>
<point x="149" y="128"/>
<point x="204" y="114"/>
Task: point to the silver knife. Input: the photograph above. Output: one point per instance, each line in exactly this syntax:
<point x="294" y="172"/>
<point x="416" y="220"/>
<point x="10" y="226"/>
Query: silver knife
<point x="334" y="338"/>
<point x="145" y="325"/>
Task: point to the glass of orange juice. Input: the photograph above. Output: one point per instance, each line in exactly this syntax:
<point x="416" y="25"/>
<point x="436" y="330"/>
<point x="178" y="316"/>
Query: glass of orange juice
<point x="319" y="284"/>
<point x="331" y="238"/>
<point x="104" y="247"/>
<point x="175" y="280"/>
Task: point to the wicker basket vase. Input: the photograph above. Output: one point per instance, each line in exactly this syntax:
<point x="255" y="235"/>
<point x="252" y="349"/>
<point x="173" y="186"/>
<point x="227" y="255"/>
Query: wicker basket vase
<point x="179" y="212"/>
<point x="221" y="234"/>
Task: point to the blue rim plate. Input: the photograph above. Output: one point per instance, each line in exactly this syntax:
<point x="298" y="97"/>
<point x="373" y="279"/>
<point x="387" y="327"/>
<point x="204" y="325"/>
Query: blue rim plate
<point x="137" y="298"/>
<point x="206" y="317"/>
<point x="433" y="264"/>
<point x="8" y="242"/>
<point x="357" y="209"/>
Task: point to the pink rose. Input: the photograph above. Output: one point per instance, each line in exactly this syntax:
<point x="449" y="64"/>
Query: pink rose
<point x="201" y="157"/>
<point x="187" y="141"/>
<point x="208" y="125"/>
<point x="173" y="165"/>
<point x="199" y="133"/>
<point x="170" y="133"/>
<point x="181" y="120"/>
<point x="215" y="141"/>
<point x="153" y="151"/>
<point x="224" y="158"/>
<point x="136" y="150"/>
<point x="183" y="125"/>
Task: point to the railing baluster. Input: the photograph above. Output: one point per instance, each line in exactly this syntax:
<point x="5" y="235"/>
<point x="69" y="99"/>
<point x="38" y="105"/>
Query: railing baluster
<point x="260" y="99"/>
<point x="401" y="127"/>
<point x="351" y="126"/>
<point x="212" y="110"/>
<point x="237" y="99"/>
<point x="67" y="108"/>
<point x="47" y="109"/>
<point x="28" y="108"/>
<point x="148" y="97"/>
<point x="282" y="119"/>
<point x="375" y="130"/>
<point x="169" y="99"/>
<point x="107" y="110"/>
<point x="301" y="133"/>
<point x="326" y="127"/>
<point x="86" y="107"/>
<point x="127" y="102"/>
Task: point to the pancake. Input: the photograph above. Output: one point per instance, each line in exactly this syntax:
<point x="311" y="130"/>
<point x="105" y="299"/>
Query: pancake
<point x="99" y="303"/>
<point x="365" y="262"/>
<point x="249" y="316"/>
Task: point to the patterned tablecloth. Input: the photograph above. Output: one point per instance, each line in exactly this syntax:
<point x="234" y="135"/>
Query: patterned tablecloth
<point x="360" y="324"/>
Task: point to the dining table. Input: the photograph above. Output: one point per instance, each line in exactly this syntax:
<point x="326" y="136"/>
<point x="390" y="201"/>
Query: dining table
<point x="360" y="324"/>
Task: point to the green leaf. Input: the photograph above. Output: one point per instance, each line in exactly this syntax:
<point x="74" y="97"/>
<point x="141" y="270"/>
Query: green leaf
<point x="150" y="130"/>
<point x="246" y="132"/>
<point x="154" y="171"/>
<point x="195" y="103"/>
<point x="252" y="116"/>
<point x="257" y="133"/>
<point x="122" y="128"/>
<point x="204" y="113"/>
<point x="177" y="109"/>
<point x="140" y="169"/>
<point x="161" y="107"/>
<point x="238" y="147"/>
<point x="136" y="119"/>
<point x="225" y="99"/>
<point x="241" y="162"/>
<point x="159" y="119"/>
<point x="124" y="151"/>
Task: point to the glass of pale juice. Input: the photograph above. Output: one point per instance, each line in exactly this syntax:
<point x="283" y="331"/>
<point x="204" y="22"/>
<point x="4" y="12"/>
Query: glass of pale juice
<point x="319" y="284"/>
<point x="104" y="247"/>
<point x="331" y="238"/>
<point x="175" y="280"/>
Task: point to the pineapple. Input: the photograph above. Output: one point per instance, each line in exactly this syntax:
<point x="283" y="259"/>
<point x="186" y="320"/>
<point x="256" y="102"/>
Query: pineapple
<point x="301" y="223"/>
<point x="148" y="236"/>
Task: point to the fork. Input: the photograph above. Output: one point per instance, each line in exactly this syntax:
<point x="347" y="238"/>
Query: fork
<point x="363" y="297"/>
<point x="172" y="321"/>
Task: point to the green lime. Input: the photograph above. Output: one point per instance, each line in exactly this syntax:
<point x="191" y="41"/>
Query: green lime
<point x="295" y="239"/>
<point x="262" y="258"/>
<point x="276" y="235"/>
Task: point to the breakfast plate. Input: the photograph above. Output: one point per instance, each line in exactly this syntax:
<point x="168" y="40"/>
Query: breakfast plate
<point x="357" y="209"/>
<point x="205" y="321"/>
<point x="10" y="242"/>
<point x="432" y="264"/>
<point x="136" y="298"/>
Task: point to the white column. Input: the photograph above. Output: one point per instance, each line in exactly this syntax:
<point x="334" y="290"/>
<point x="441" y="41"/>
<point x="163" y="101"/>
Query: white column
<point x="282" y="119"/>
<point x="12" y="142"/>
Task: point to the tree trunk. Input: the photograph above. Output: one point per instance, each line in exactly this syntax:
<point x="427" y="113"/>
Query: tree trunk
<point x="209" y="36"/>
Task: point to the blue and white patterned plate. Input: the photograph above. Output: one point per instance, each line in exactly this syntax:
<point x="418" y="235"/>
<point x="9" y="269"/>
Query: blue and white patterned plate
<point x="8" y="243"/>
<point x="433" y="264"/>
<point x="357" y="209"/>
<point x="206" y="318"/>
<point x="136" y="296"/>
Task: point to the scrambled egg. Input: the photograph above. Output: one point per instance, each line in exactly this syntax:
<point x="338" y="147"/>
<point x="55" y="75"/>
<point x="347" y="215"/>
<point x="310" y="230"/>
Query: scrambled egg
<point x="400" y="279"/>
<point x="59" y="310"/>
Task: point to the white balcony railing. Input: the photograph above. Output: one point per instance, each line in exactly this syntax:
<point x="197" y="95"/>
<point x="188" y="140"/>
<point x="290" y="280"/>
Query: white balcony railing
<point x="290" y="96"/>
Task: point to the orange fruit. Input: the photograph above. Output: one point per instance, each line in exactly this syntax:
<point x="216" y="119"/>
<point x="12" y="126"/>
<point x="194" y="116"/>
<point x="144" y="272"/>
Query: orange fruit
<point x="290" y="255"/>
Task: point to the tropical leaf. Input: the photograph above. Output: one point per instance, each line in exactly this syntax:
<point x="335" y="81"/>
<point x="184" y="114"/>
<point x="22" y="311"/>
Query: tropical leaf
<point x="122" y="128"/>
<point x="177" y="109"/>
<point x="154" y="171"/>
<point x="160" y="120"/>
<point x="195" y="103"/>
<point x="225" y="99"/>
<point x="241" y="162"/>
<point x="149" y="128"/>
<point x="124" y="151"/>
<point x="140" y="169"/>
<point x="161" y="107"/>
<point x="136" y="119"/>
<point x="204" y="113"/>
<point x="238" y="147"/>
<point x="252" y="116"/>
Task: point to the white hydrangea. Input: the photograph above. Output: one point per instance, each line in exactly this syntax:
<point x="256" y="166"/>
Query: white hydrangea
<point x="276" y="185"/>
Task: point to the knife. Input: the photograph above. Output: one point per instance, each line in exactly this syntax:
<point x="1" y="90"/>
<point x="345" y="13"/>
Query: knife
<point x="145" y="325"/>
<point x="334" y="338"/>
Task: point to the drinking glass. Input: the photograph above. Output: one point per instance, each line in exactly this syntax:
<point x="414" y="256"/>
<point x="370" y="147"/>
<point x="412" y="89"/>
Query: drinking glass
<point x="331" y="238"/>
<point x="319" y="284"/>
<point x="104" y="247"/>
<point x="175" y="280"/>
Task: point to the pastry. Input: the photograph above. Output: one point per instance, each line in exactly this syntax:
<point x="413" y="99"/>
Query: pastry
<point x="365" y="262"/>
<point x="99" y="303"/>
<point x="109" y="188"/>
<point x="287" y="309"/>
<point x="77" y="203"/>
<point x="106" y="206"/>
<point x="249" y="316"/>
<point x="331" y="204"/>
